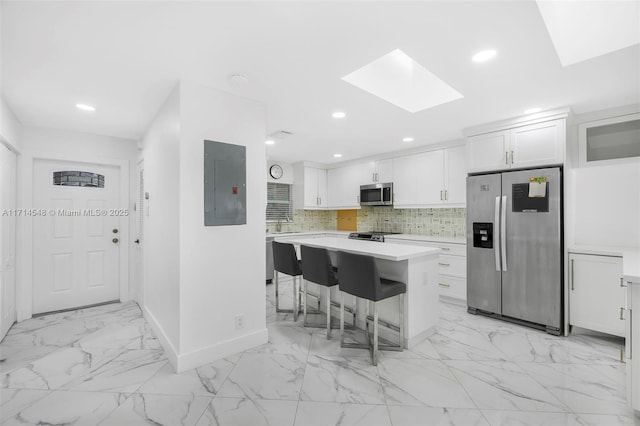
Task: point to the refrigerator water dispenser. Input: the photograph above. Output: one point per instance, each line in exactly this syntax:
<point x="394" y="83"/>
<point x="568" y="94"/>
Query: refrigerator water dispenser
<point x="483" y="234"/>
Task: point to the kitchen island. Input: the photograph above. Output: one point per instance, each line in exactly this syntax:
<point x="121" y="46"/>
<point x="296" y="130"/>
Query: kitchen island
<point x="416" y="266"/>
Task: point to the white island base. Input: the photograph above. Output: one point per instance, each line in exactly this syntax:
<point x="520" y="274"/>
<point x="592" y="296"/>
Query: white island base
<point x="414" y="265"/>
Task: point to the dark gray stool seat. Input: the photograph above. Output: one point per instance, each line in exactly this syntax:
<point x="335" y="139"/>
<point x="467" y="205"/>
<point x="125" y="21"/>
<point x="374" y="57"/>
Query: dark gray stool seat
<point x="359" y="277"/>
<point x="286" y="261"/>
<point x="317" y="268"/>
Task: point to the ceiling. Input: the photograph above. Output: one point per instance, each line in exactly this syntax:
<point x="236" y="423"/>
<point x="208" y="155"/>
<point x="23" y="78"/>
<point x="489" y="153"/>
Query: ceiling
<point x="125" y="57"/>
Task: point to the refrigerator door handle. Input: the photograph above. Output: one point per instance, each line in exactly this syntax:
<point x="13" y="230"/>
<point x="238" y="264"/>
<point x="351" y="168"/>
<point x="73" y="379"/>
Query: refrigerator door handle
<point x="495" y="237"/>
<point x="503" y="232"/>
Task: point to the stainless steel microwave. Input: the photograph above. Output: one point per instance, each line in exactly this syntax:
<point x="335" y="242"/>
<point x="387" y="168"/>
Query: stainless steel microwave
<point x="377" y="194"/>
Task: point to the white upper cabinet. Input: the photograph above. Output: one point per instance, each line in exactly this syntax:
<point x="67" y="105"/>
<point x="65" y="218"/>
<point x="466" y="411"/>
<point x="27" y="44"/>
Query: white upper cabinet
<point x="435" y="178"/>
<point x="455" y="179"/>
<point x="533" y="145"/>
<point x="344" y="185"/>
<point x="609" y="141"/>
<point x="310" y="188"/>
<point x="539" y="144"/>
<point x="418" y="179"/>
<point x="382" y="171"/>
<point x="488" y="151"/>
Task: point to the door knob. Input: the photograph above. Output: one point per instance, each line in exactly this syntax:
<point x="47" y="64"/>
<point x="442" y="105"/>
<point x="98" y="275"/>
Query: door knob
<point x="137" y="241"/>
<point x="115" y="241"/>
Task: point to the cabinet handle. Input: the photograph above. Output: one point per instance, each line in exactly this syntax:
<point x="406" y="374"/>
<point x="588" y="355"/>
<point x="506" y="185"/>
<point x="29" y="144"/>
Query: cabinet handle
<point x="443" y="285"/>
<point x="441" y="199"/>
<point x="506" y="157"/>
<point x="443" y="264"/>
<point x="444" y="248"/>
<point x="446" y="195"/>
<point x="622" y="313"/>
<point x="572" y="275"/>
<point x="512" y="158"/>
<point x="622" y="282"/>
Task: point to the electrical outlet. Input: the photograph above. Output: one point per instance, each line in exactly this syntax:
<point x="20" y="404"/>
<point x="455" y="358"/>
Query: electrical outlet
<point x="239" y="319"/>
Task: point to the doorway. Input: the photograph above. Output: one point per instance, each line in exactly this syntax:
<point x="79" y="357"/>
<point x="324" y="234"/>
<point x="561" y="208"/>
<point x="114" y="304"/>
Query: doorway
<point x="77" y="226"/>
<point x="8" y="239"/>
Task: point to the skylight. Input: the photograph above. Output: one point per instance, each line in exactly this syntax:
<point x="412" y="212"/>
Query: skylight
<point x="582" y="30"/>
<point x="398" y="79"/>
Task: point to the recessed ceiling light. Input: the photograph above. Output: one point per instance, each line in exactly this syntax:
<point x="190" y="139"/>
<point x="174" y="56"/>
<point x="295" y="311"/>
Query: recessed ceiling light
<point x="269" y="141"/>
<point x="407" y="139"/>
<point x="86" y="107"/>
<point x="484" y="55"/>
<point x="337" y="155"/>
<point x="532" y="110"/>
<point x="338" y="114"/>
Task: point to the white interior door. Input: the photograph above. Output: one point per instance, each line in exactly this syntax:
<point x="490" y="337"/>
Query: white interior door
<point x="139" y="250"/>
<point x="76" y="238"/>
<point x="7" y="239"/>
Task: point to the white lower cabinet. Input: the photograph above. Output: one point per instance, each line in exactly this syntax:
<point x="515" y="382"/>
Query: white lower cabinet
<point x="596" y="296"/>
<point x="632" y="345"/>
<point x="452" y="266"/>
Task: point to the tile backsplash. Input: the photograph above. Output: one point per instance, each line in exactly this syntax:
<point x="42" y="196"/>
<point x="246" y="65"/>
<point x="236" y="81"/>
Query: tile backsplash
<point x="435" y="222"/>
<point x="307" y="220"/>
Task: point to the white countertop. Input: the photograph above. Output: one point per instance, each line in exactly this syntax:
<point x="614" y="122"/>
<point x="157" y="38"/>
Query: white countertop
<point x="630" y="258"/>
<point x="409" y="237"/>
<point x="430" y="238"/>
<point x="388" y="251"/>
<point x="302" y="234"/>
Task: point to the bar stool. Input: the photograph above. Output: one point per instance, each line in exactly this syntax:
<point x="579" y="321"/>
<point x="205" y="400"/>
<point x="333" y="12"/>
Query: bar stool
<point x="359" y="277"/>
<point x="317" y="268"/>
<point x="286" y="261"/>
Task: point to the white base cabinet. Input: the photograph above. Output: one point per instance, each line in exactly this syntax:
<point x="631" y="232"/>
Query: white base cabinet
<point x="452" y="266"/>
<point x="632" y="346"/>
<point x="596" y="297"/>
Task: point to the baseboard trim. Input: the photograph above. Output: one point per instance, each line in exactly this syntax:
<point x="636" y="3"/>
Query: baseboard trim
<point x="169" y="349"/>
<point x="221" y="350"/>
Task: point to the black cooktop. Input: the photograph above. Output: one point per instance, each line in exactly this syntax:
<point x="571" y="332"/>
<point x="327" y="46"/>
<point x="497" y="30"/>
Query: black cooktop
<point x="370" y="235"/>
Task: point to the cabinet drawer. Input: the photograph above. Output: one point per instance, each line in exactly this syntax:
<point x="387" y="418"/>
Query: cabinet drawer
<point x="455" y="266"/>
<point x="452" y="287"/>
<point x="452" y="249"/>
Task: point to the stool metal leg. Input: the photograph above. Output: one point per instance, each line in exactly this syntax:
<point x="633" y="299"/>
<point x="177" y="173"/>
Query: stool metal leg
<point x="277" y="280"/>
<point x="306" y="301"/>
<point x="401" y="310"/>
<point x="374" y="356"/>
<point x="296" y="299"/>
<point x="328" y="312"/>
<point x="341" y="318"/>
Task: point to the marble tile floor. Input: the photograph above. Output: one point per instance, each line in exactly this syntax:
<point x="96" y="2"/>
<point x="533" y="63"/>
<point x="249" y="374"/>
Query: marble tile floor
<point x="104" y="366"/>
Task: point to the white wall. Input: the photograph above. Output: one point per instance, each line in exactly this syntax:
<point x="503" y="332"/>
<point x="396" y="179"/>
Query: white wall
<point x="607" y="205"/>
<point x="221" y="267"/>
<point x="161" y="245"/>
<point x="9" y="127"/>
<point x="72" y="146"/>
<point x="287" y="172"/>
<point x="602" y="202"/>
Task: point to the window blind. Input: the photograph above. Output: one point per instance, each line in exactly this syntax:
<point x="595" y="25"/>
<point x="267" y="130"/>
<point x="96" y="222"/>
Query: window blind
<point x="279" y="205"/>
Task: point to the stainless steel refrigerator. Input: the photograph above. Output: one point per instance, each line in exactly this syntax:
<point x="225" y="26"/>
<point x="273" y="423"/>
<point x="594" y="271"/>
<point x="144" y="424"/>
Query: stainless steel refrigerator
<point x="514" y="247"/>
